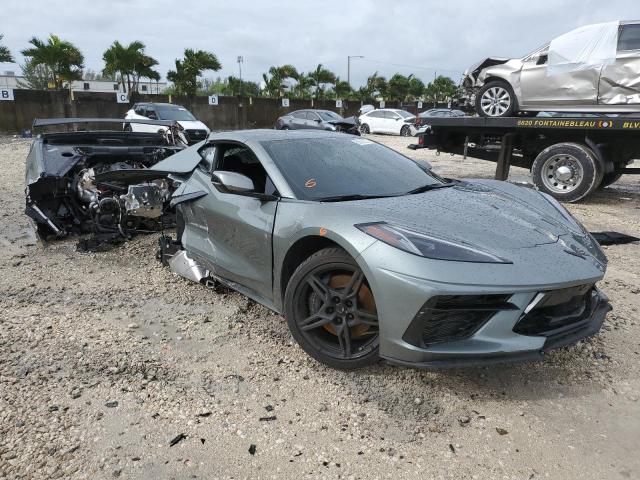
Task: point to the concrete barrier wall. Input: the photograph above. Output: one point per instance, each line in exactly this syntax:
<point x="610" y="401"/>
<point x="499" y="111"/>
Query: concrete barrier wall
<point x="232" y="112"/>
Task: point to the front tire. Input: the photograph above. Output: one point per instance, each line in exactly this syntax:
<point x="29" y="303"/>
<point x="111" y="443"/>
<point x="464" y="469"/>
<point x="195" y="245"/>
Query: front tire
<point x="496" y="99"/>
<point x="405" y="131"/>
<point x="331" y="312"/>
<point x="567" y="171"/>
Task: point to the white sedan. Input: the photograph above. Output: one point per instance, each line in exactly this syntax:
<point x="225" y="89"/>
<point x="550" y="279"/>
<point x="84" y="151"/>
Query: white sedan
<point x="387" y="120"/>
<point x="194" y="130"/>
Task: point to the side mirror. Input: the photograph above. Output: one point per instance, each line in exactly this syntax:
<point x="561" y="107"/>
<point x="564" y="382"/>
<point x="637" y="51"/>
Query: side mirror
<point x="397" y="119"/>
<point x="232" y="182"/>
<point x="318" y="120"/>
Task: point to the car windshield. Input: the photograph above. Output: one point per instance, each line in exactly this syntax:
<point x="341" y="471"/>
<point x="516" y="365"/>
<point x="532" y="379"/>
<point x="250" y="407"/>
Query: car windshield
<point x="404" y="113"/>
<point x="320" y="168"/>
<point x="174" y="113"/>
<point x="328" y="116"/>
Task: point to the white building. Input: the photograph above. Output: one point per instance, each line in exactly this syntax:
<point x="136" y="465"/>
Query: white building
<point x="11" y="80"/>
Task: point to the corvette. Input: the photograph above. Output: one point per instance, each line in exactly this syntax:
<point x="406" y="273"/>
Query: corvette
<point x="371" y="255"/>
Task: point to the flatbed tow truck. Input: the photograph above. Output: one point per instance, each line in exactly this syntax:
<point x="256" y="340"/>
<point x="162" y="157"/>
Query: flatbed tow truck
<point x="569" y="157"/>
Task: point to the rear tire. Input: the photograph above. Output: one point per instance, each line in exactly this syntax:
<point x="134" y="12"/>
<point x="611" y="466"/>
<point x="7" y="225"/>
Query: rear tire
<point x="496" y="99"/>
<point x="567" y="171"/>
<point x="331" y="312"/>
<point x="405" y="131"/>
<point x="364" y="128"/>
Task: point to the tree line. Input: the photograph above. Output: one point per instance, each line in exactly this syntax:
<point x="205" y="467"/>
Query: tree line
<point x="53" y="63"/>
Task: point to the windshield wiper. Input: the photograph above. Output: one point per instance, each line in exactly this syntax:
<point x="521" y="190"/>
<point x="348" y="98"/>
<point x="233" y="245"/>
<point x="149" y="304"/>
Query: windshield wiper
<point x="346" y="198"/>
<point x="431" y="186"/>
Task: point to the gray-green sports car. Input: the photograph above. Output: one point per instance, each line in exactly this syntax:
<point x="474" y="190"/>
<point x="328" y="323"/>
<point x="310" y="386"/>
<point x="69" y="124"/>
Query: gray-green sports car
<point x="370" y="255"/>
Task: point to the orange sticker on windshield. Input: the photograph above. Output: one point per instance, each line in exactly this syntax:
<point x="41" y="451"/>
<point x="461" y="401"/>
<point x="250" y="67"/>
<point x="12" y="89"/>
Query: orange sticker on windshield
<point x="311" y="183"/>
<point x="323" y="231"/>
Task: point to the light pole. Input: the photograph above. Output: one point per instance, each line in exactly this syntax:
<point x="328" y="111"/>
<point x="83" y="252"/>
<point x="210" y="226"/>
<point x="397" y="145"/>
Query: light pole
<point x="349" y="57"/>
<point x="240" y="60"/>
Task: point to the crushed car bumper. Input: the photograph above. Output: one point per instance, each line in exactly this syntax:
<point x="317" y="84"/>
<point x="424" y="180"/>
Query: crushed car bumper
<point x="443" y="323"/>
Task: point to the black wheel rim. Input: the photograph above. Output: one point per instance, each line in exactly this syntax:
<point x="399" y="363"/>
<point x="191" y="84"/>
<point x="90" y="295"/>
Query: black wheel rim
<point x="335" y="312"/>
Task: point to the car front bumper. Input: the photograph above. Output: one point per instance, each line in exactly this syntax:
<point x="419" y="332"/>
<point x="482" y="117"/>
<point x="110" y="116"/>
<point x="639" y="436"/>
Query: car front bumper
<point x="483" y="334"/>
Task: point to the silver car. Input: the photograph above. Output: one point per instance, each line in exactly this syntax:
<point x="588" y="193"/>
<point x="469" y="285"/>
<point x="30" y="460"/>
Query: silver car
<point x="591" y="69"/>
<point x="368" y="254"/>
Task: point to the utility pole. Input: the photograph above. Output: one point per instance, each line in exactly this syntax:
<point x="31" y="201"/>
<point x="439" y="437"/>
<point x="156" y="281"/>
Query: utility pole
<point x="240" y="60"/>
<point x="349" y="57"/>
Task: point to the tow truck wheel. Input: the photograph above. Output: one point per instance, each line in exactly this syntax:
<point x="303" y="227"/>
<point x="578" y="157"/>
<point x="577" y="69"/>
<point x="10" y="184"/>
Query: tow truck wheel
<point x="496" y="99"/>
<point x="567" y="171"/>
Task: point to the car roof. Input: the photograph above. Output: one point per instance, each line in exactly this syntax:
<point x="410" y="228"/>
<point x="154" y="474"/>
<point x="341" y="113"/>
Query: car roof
<point x="267" y="134"/>
<point x="158" y="104"/>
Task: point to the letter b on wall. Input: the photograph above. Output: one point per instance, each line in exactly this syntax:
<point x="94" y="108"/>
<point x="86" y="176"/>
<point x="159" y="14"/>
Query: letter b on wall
<point x="6" y="94"/>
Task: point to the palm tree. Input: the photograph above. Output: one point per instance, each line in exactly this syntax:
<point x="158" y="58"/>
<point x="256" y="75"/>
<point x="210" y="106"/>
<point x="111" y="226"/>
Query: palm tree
<point x="274" y="79"/>
<point x="322" y="76"/>
<point x="342" y="88"/>
<point x="185" y="76"/>
<point x="62" y="59"/>
<point x="376" y="86"/>
<point x="305" y="82"/>
<point x="440" y="89"/>
<point x="5" y="54"/>
<point x="130" y="63"/>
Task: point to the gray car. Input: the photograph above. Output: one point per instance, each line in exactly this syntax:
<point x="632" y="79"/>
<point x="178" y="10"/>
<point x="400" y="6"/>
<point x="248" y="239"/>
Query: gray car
<point x="368" y="254"/>
<point x="309" y="120"/>
<point x="591" y="69"/>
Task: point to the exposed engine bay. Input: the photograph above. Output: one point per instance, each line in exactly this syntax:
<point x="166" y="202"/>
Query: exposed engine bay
<point x="77" y="183"/>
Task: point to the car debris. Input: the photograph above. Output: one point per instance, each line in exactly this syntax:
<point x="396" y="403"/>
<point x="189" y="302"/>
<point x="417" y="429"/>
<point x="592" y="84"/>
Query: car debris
<point x="177" y="439"/>
<point x="79" y="181"/>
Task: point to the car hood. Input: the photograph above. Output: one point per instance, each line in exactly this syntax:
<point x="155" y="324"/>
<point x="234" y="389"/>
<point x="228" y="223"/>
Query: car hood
<point x="476" y="213"/>
<point x="484" y="63"/>
<point x="193" y="125"/>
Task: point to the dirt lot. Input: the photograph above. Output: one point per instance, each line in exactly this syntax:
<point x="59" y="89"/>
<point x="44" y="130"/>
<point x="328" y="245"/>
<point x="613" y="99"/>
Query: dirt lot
<point x="106" y="358"/>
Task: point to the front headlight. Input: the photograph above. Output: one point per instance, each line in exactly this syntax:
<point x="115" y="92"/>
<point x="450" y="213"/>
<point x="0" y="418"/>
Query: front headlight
<point x="426" y="245"/>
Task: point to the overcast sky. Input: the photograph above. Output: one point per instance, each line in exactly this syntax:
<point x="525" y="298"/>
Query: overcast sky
<point x="404" y="36"/>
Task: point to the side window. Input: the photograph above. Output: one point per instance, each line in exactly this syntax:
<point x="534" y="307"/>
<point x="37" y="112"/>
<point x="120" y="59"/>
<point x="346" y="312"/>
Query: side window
<point x="140" y="110"/>
<point x="377" y="114"/>
<point x="300" y="115"/>
<point x="312" y="116"/>
<point x="390" y="115"/>
<point x="629" y="38"/>
<point x="240" y="159"/>
<point x="151" y="114"/>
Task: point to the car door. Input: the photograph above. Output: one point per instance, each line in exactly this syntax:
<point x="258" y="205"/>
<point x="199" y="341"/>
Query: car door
<point x="570" y="88"/>
<point x="231" y="233"/>
<point x="394" y="122"/>
<point x="375" y="120"/>
<point x="298" y="120"/>
<point x="620" y="81"/>
<point x="313" y="120"/>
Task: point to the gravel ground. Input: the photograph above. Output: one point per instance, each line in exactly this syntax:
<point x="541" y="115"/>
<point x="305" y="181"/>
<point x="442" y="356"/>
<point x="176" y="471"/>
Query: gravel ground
<point x="108" y="359"/>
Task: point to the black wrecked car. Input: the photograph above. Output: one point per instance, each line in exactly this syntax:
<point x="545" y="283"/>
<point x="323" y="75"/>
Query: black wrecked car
<point x="77" y="181"/>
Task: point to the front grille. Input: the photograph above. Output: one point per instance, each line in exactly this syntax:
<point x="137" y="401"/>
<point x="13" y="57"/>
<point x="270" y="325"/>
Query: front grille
<point x="196" y="135"/>
<point x="558" y="312"/>
<point x="449" y="318"/>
